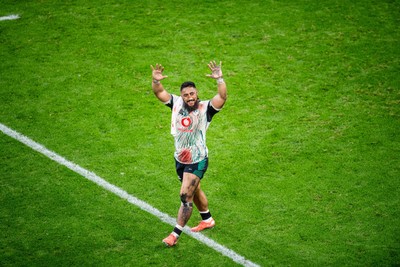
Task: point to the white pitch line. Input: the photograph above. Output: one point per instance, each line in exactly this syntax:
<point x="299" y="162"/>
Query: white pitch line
<point x="9" y="17"/>
<point x="124" y="195"/>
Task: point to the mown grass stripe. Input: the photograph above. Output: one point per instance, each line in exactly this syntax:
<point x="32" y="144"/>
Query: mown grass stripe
<point x="122" y="194"/>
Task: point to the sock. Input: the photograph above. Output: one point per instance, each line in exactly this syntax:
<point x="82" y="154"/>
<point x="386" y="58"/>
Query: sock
<point x="177" y="230"/>
<point x="205" y="215"/>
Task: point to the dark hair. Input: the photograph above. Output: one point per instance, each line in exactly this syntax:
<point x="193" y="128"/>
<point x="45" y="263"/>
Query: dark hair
<point x="187" y="84"/>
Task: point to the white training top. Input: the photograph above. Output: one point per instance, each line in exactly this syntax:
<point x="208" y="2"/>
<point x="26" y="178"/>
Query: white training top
<point x="189" y="129"/>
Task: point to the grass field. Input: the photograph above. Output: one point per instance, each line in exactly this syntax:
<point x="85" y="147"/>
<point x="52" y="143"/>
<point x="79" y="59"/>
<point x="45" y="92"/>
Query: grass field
<point x="304" y="158"/>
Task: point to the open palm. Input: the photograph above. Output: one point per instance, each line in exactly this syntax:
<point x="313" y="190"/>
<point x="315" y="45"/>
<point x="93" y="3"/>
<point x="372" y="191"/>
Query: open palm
<point x="216" y="71"/>
<point x="157" y="72"/>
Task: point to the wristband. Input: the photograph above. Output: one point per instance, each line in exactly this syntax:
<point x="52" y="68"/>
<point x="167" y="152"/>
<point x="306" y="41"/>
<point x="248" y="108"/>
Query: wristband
<point x="220" y="80"/>
<point x="156" y="81"/>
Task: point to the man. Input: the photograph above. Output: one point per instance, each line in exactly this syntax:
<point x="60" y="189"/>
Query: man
<point x="190" y="120"/>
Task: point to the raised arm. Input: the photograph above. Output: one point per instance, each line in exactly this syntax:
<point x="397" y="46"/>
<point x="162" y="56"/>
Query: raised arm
<point x="219" y="99"/>
<point x="158" y="88"/>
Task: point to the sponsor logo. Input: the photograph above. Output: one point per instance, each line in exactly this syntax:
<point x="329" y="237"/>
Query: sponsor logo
<point x="186" y="121"/>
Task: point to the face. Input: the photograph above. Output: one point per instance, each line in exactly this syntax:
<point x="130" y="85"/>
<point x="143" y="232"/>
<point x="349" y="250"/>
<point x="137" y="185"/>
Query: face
<point x="189" y="96"/>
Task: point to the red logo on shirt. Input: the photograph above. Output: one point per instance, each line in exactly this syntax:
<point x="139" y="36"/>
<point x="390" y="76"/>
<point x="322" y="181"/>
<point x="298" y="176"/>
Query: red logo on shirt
<point x="186" y="122"/>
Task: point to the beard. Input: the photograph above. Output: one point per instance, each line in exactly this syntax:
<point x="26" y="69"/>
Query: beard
<point x="191" y="108"/>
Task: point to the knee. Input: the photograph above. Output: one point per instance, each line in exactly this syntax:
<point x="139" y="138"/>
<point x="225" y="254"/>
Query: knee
<point x="186" y="199"/>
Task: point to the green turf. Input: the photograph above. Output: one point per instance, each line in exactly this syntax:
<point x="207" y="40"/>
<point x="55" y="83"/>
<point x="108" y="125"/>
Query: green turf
<point x="304" y="158"/>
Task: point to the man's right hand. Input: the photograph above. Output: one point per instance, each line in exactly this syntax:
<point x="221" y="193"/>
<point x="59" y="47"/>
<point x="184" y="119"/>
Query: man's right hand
<point x="157" y="72"/>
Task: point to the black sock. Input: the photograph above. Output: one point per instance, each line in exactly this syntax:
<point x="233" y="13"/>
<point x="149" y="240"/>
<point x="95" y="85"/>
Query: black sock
<point x="177" y="230"/>
<point x="205" y="215"/>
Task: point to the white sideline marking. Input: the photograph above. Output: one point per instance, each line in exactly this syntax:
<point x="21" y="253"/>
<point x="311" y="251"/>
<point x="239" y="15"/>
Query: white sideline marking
<point x="123" y="194"/>
<point x="10" y="17"/>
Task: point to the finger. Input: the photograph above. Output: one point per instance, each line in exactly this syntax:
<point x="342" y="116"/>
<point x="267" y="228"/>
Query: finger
<point x="152" y="67"/>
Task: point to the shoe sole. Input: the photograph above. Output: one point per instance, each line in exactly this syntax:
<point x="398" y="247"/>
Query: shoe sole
<point x="196" y="231"/>
<point x="167" y="245"/>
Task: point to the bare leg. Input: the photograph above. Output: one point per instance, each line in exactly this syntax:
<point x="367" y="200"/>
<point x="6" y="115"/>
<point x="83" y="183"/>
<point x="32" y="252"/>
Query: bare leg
<point x="200" y="200"/>
<point x="190" y="183"/>
<point x="189" y="186"/>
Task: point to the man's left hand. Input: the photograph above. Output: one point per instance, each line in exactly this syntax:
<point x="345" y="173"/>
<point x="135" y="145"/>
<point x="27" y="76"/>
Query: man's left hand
<point x="215" y="69"/>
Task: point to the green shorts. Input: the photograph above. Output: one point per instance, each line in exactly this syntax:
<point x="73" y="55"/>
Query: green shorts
<point x="198" y="169"/>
